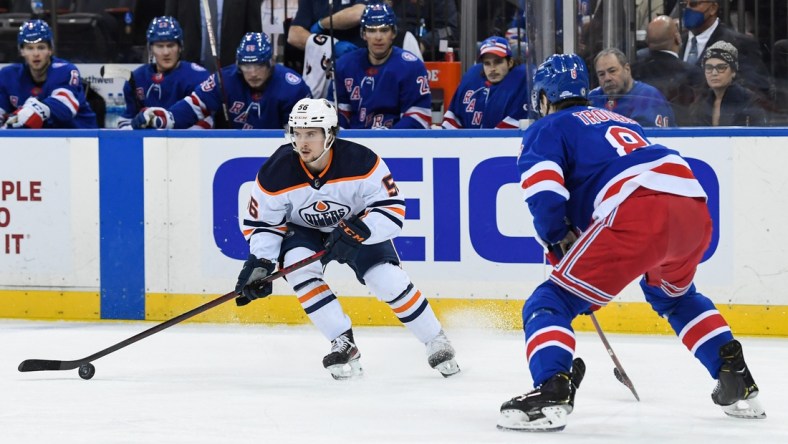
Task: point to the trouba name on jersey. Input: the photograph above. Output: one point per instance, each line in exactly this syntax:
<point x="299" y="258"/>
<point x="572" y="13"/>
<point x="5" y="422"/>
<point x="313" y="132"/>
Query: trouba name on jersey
<point x="323" y="213"/>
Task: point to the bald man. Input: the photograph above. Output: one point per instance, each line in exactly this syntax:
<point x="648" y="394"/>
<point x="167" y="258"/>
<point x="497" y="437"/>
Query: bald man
<point x="679" y="81"/>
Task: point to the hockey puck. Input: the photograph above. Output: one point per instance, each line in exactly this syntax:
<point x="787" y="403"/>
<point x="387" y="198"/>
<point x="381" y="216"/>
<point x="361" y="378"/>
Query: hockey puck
<point x="86" y="371"/>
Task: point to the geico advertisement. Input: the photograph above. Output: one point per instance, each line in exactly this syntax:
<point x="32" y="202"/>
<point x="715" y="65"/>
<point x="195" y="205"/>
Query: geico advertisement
<point x="49" y="212"/>
<point x="468" y="232"/>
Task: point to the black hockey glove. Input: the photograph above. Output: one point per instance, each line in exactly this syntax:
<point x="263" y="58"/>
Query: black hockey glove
<point x="250" y="285"/>
<point x="344" y="242"/>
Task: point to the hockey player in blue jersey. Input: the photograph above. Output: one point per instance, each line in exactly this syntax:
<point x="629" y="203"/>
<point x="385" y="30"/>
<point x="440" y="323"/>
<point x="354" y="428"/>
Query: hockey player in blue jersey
<point x="166" y="80"/>
<point x="620" y="93"/>
<point x="259" y="93"/>
<point x="323" y="193"/>
<point x="493" y="93"/>
<point x="382" y="86"/>
<point x="611" y="207"/>
<point x="44" y="91"/>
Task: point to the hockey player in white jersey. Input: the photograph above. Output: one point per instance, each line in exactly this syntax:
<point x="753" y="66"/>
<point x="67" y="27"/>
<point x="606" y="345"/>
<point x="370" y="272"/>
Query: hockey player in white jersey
<point x="320" y="192"/>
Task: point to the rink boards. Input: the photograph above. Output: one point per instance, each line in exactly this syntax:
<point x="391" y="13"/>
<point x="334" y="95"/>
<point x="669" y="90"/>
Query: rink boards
<point x="144" y="225"/>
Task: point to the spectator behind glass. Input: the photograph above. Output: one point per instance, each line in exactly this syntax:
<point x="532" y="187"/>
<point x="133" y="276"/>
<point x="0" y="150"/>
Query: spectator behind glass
<point x="726" y="103"/>
<point x="382" y="86"/>
<point x="620" y="93"/>
<point x="258" y="93"/>
<point x="312" y="17"/>
<point x="231" y="20"/>
<point x="680" y="82"/>
<point x="166" y="80"/>
<point x="43" y="91"/>
<point x="493" y="93"/>
<point x="705" y="29"/>
<point x="430" y="22"/>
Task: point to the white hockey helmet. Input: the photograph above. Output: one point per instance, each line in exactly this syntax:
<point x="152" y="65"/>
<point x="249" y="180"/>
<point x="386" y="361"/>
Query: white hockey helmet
<point x="314" y="113"/>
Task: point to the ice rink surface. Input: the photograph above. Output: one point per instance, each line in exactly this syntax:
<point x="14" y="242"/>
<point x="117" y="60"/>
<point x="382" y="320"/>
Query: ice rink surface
<point x="205" y="383"/>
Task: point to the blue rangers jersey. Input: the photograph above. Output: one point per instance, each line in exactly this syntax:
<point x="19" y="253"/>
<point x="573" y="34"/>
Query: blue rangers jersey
<point x="268" y="108"/>
<point x="395" y="94"/>
<point x="643" y="103"/>
<point x="479" y="104"/>
<point x="356" y="181"/>
<point x="580" y="163"/>
<point x="153" y="88"/>
<point x="62" y="92"/>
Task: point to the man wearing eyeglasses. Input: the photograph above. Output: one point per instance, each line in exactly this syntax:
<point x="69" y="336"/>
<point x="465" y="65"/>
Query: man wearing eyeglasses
<point x="701" y="18"/>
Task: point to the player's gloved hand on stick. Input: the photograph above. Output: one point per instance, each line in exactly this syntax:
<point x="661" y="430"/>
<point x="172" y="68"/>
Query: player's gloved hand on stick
<point x="591" y="310"/>
<point x="342" y="47"/>
<point x="153" y="117"/>
<point x="250" y="285"/>
<point x="344" y="242"/>
<point x="556" y="251"/>
<point x="32" y="114"/>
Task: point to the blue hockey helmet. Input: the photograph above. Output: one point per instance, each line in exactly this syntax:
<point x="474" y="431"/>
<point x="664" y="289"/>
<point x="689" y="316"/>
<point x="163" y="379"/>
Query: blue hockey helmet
<point x="255" y="47"/>
<point x="164" y="29"/>
<point x="560" y="77"/>
<point x="34" y="31"/>
<point x="377" y="15"/>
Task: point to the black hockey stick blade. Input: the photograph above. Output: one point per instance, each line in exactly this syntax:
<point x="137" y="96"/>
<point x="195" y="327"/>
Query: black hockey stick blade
<point x="618" y="371"/>
<point x="36" y="365"/>
<point x="624" y="379"/>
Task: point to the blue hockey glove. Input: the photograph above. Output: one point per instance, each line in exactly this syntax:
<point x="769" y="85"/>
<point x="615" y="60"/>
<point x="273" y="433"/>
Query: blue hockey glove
<point x="153" y="117"/>
<point x="342" y="47"/>
<point x="344" y="242"/>
<point x="556" y="251"/>
<point x="250" y="285"/>
<point x="317" y="28"/>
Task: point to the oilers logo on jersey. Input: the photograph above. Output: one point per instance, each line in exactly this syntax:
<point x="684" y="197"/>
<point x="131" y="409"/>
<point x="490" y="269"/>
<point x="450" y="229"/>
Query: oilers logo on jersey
<point x="324" y="213"/>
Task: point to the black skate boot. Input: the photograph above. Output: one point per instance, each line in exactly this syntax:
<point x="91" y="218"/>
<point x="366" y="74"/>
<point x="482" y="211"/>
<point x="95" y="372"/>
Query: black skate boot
<point x="545" y="408"/>
<point x="440" y="355"/>
<point x="343" y="361"/>
<point x="736" y="390"/>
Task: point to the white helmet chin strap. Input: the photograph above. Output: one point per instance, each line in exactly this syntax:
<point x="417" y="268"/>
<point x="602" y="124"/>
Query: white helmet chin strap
<point x="326" y="145"/>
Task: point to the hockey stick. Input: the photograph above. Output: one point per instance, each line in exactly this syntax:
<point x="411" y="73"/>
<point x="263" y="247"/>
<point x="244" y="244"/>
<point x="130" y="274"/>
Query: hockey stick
<point x="86" y="369"/>
<point x="215" y="54"/>
<point x="618" y="371"/>
<point x="333" y="54"/>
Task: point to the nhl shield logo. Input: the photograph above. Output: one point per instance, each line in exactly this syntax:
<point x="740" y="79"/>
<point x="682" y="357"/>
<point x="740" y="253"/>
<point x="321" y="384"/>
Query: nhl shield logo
<point x="573" y="73"/>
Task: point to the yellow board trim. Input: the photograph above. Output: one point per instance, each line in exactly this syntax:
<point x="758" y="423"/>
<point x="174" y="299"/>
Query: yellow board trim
<point x="632" y="317"/>
<point x="41" y="304"/>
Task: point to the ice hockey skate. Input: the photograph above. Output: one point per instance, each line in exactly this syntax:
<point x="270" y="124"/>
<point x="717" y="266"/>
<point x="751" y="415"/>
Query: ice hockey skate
<point x="545" y="408"/>
<point x="344" y="360"/>
<point x="440" y="355"/>
<point x="736" y="390"/>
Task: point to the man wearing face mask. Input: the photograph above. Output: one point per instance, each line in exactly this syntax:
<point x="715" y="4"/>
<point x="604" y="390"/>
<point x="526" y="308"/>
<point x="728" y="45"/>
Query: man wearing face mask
<point x="701" y="18"/>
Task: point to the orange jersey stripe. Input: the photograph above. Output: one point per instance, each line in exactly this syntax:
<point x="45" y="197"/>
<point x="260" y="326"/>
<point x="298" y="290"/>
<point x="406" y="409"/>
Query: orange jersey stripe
<point x="399" y="211"/>
<point x="316" y="291"/>
<point x="408" y="304"/>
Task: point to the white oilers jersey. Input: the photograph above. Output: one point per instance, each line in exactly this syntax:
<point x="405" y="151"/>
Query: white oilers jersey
<point x="356" y="181"/>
